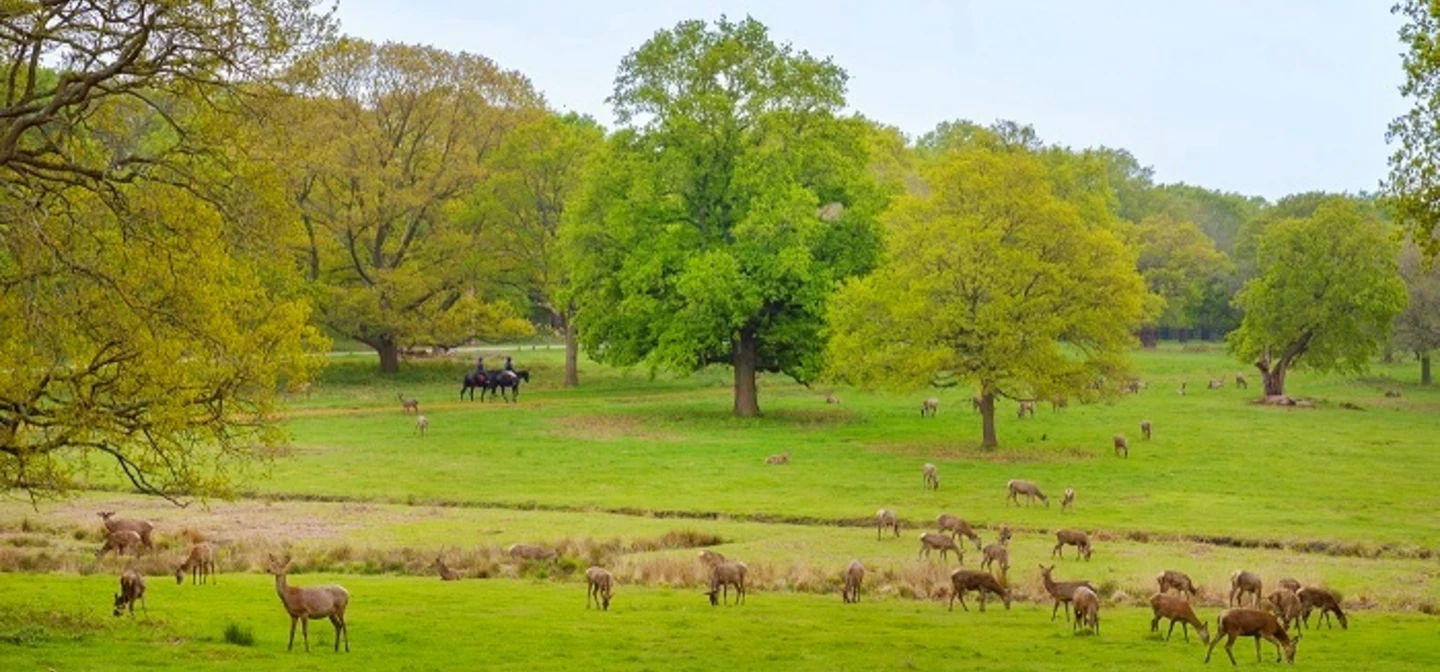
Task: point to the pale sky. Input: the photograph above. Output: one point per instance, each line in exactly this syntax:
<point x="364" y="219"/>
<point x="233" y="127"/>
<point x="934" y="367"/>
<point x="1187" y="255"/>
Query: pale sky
<point x="1264" y="97"/>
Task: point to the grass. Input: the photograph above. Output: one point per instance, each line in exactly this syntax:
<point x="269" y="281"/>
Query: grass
<point x="632" y="471"/>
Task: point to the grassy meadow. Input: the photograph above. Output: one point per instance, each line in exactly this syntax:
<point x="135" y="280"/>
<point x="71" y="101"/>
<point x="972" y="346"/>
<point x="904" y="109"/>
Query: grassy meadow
<point x="635" y="472"/>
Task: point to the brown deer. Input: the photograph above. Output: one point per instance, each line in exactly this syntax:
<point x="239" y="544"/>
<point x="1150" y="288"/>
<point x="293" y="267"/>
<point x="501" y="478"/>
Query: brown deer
<point x="997" y="554"/>
<point x="854" y="574"/>
<point x="1240" y="381"/>
<point x="446" y="574"/>
<point x="530" y="552"/>
<point x="1027" y="407"/>
<point x="1019" y="487"/>
<point x="132" y="589"/>
<point x="1063" y="591"/>
<point x="1068" y="500"/>
<point x="965" y="580"/>
<point x="957" y="528"/>
<point x="886" y="518"/>
<point x="600" y="583"/>
<point x="1178" y="581"/>
<point x="1286" y="606"/>
<point x="422" y="425"/>
<point x="120" y="542"/>
<point x="311" y="603"/>
<point x="1178" y="610"/>
<point x="932" y="476"/>
<point x="1181" y="391"/>
<point x="1145" y="429"/>
<point x="1236" y="623"/>
<point x="724" y="575"/>
<point x="929" y="406"/>
<point x="1087" y="610"/>
<point x="1312" y="598"/>
<point x="783" y="458"/>
<point x="1004" y="534"/>
<point x="144" y="528"/>
<point x="931" y="541"/>
<point x="200" y="562"/>
<point x="409" y="404"/>
<point x="1216" y="383"/>
<point x="1058" y="402"/>
<point x="830" y="398"/>
<point x="710" y="558"/>
<point x="1290" y="584"/>
<point x="1122" y="447"/>
<point x="1242" y="582"/>
<point x="1075" y="538"/>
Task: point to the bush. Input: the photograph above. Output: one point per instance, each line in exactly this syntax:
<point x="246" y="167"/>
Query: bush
<point x="239" y="635"/>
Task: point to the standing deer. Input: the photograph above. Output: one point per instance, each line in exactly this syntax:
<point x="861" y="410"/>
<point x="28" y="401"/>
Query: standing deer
<point x="886" y="518"/>
<point x="120" y="542"/>
<point x="1236" y="623"/>
<point x="854" y="574"/>
<point x="1068" y="501"/>
<point x="1242" y="582"/>
<point x="1181" y="391"/>
<point x="1240" y="381"/>
<point x="311" y="603"/>
<point x="409" y="404"/>
<point x="143" y="528"/>
<point x="929" y="406"/>
<point x="422" y="425"/>
<point x="1122" y="447"/>
<point x="1019" y="487"/>
<point x="1145" y="429"/>
<point x="1062" y="591"/>
<point x="1087" y="610"/>
<point x="997" y="554"/>
<point x="600" y="583"/>
<point x="200" y="562"/>
<point x="932" y="477"/>
<point x="930" y="541"/>
<point x="132" y="589"/>
<point x="1027" y="407"/>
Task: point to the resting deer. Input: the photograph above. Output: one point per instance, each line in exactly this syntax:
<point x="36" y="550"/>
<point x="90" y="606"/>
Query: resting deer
<point x="854" y="574"/>
<point x="1027" y="407"/>
<point x="1178" y="610"/>
<point x="965" y="580"/>
<point x="1122" y="447"/>
<point x="929" y="406"/>
<point x="830" y="398"/>
<point x="1216" y="383"/>
<point x="310" y="603"/>
<point x="1063" y="591"/>
<point x="930" y="541"/>
<point x="446" y="574"/>
<point x="1236" y="623"/>
<point x="1242" y="582"/>
<point x="1075" y="538"/>
<point x="957" y="527"/>
<point x="1178" y="581"/>
<point x="1019" y="487"/>
<point x="1145" y="429"/>
<point x="143" y="528"/>
<point x="932" y="477"/>
<point x="600" y="583"/>
<point x="886" y="518"/>
<point x="783" y="458"/>
<point x="200" y="562"/>
<point x="132" y="589"/>
<point x="409" y="404"/>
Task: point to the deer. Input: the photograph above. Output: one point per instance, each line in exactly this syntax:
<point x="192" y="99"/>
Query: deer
<point x="140" y="527"/>
<point x="1145" y="429"/>
<point x="710" y="558"/>
<point x="1063" y="591"/>
<point x="600" y="582"/>
<point x="724" y="575"/>
<point x="854" y="574"/>
<point x="1286" y="606"/>
<point x="965" y="580"/>
<point x="1290" y="584"/>
<point x="120" y="542"/>
<point x="1179" y="581"/>
<point x="1318" y="598"/>
<point x="311" y="603"/>
<point x="530" y="552"/>
<point x="1181" y="391"/>
<point x="830" y="398"/>
<point x="1236" y="623"/>
<point x="930" y="541"/>
<point x="886" y="518"/>
<point x="132" y="589"/>
<point x="422" y="425"/>
<point x="1178" y="610"/>
<point x="1058" y="402"/>
<point x="1087" y="610"/>
<point x="1004" y="534"/>
<point x="1075" y="538"/>
<point x="783" y="458"/>
<point x="1216" y="383"/>
<point x="1122" y="447"/>
<point x="1019" y="487"/>
<point x="997" y="554"/>
<point x="1242" y="582"/>
<point x="446" y="574"/>
<point x="200" y="562"/>
<point x="1068" y="500"/>
<point x="929" y="406"/>
<point x="957" y="527"/>
<point x="932" y="476"/>
<point x="1240" y="381"/>
<point x="1027" y="406"/>
<point x="409" y="404"/>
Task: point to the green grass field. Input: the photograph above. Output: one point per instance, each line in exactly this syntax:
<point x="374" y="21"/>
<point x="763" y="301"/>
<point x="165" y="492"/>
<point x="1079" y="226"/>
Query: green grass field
<point x="1342" y="495"/>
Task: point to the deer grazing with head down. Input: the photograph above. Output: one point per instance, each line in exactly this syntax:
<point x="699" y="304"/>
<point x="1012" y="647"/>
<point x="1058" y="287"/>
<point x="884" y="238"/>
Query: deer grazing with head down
<point x="932" y="476"/>
<point x="1017" y="487"/>
<point x="854" y="574"/>
<point x="200" y="562"/>
<point x="600" y="584"/>
<point x="132" y="589"/>
<point x="310" y="603"/>
<point x="1236" y="623"/>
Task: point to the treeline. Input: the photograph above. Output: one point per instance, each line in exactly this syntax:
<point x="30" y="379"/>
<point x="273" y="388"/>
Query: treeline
<point x="194" y="196"/>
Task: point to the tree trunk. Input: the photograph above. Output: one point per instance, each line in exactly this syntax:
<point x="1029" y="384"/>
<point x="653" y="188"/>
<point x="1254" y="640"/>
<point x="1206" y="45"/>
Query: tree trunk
<point x="572" y="372"/>
<point x="747" y="402"/>
<point x="1425" y="369"/>
<point x="1182" y="335"/>
<point x="389" y="354"/>
<point x="1274" y="378"/>
<point x="1149" y="337"/>
<point x="987" y="421"/>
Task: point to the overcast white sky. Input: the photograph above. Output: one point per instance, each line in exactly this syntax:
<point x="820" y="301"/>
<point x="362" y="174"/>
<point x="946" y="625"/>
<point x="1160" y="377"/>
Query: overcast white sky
<point x="1261" y="97"/>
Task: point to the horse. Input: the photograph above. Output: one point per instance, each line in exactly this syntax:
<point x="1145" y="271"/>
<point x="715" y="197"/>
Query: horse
<point x="500" y="380"/>
<point x="475" y="380"/>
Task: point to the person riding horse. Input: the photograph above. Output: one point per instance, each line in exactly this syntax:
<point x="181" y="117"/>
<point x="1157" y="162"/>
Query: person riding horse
<point x="509" y="369"/>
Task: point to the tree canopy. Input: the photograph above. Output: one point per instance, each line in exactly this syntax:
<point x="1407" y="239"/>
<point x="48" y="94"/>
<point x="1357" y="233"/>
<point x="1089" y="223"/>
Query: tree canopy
<point x="1418" y="328"/>
<point x="1414" y="183"/>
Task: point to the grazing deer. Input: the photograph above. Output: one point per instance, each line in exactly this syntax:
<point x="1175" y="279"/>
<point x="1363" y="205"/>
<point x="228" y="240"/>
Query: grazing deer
<point x="929" y="406"/>
<point x="965" y="580"/>
<point x="1063" y="591"/>
<point x="422" y="425"/>
<point x="710" y="558"/>
<point x="886" y="518"/>
<point x="446" y="574"/>
<point x="200" y="562"/>
<point x="1132" y="387"/>
<point x="1236" y="623"/>
<point x="1122" y="447"/>
<point x="1286" y="606"/>
<point x="600" y="583"/>
<point x="1017" y="487"/>
<point x="1027" y="407"/>
<point x="132" y="589"/>
<point x="1087" y="610"/>
<point x="1178" y="610"/>
<point x="1145" y="429"/>
<point x="1068" y="501"/>
<point x="1290" y="584"/>
<point x="409" y="404"/>
<point x="310" y="603"/>
<point x="930" y="541"/>
<point x="1318" y="598"/>
<point x="1242" y="582"/>
<point x="957" y="527"/>
<point x="997" y="554"/>
<point x="1075" y="538"/>
<point x="141" y="527"/>
<point x="120" y="542"/>
<point x="932" y="477"/>
<point x="724" y="575"/>
<point x="854" y="574"/>
<point x="1240" y="381"/>
<point x="1178" y="581"/>
<point x="783" y="458"/>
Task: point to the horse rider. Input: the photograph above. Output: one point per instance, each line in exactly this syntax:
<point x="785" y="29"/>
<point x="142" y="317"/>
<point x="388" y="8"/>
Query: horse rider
<point x="510" y="368"/>
<point x="479" y="368"/>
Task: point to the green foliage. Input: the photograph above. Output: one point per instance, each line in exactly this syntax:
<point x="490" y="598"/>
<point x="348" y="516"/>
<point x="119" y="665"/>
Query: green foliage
<point x="1178" y="262"/>
<point x="1327" y="290"/>
<point x="1414" y="183"/>
<point x="995" y="278"/>
<point x="703" y="240"/>
<point x="1418" y="328"/>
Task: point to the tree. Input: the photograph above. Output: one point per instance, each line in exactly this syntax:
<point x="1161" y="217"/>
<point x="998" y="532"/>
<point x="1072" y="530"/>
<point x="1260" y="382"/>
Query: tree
<point x="728" y="209"/>
<point x="1418" y="328"/>
<point x="1327" y="290"/>
<point x="539" y="170"/>
<point x="1176" y="259"/>
<point x="992" y="278"/>
<point x="1414" y="183"/>
<point x="386" y="142"/>
<point x="140" y="326"/>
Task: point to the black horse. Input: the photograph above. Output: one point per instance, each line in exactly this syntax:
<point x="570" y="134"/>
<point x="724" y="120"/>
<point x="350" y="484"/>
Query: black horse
<point x="473" y="381"/>
<point x="500" y="380"/>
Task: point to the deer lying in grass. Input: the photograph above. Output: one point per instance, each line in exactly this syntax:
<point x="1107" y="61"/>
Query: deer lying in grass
<point x="710" y="558"/>
<point x="783" y="458"/>
<point x="1068" y="500"/>
<point x="120" y="542"/>
<point x="929" y="406"/>
<point x="600" y="583"/>
<point x="1027" y="406"/>
<point x="1312" y="598"/>
<point x="1087" y="610"/>
<point x="1242" y="582"/>
<point x="997" y="554"/>
<point x="1145" y="429"/>
<point x="132" y="588"/>
<point x="965" y="580"/>
<point x="311" y="603"/>
<point x="1178" y="610"/>
<point x="830" y="398"/>
<point x="1286" y="606"/>
<point x="143" y="528"/>
<point x="1215" y="383"/>
<point x="1236" y="623"/>
<point x="1122" y="447"/>
<point x="409" y="404"/>
<point x="199" y="562"/>
<point x="854" y="574"/>
<point x="957" y="527"/>
<point x="446" y="574"/>
<point x="530" y="552"/>
<point x="932" y="476"/>
<point x="724" y="575"/>
<point x="886" y="518"/>
<point x="1075" y="538"/>
<point x="931" y="541"/>
<point x="1177" y="581"/>
<point x="1019" y="487"/>
<point x="422" y="425"/>
<point x="1240" y="381"/>
<point x="1063" y="591"/>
